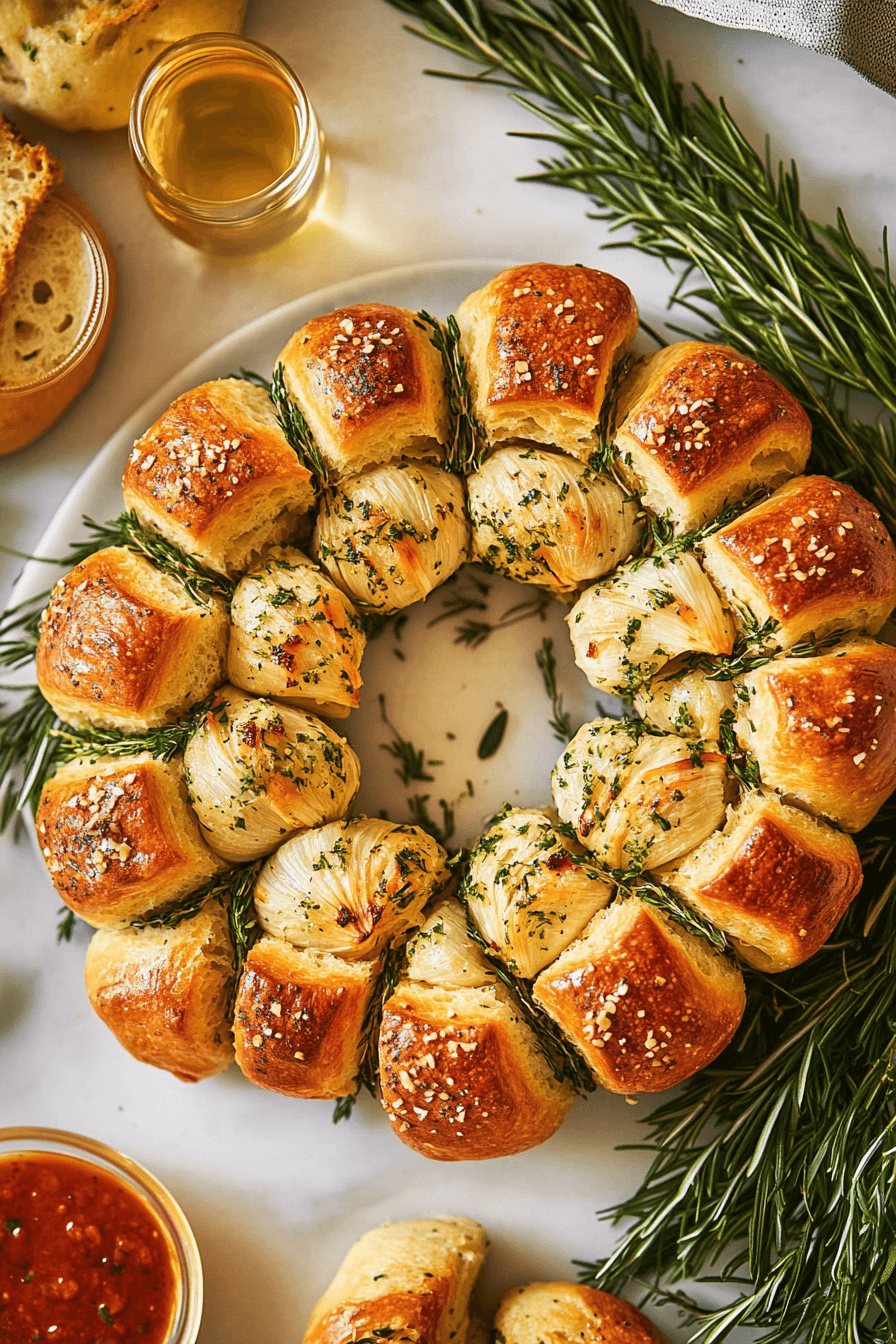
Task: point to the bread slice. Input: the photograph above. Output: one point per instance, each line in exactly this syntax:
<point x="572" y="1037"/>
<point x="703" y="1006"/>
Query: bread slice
<point x="28" y="173"/>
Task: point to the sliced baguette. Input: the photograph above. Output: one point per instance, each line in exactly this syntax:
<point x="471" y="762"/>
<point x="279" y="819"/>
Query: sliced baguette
<point x="28" y="173"/>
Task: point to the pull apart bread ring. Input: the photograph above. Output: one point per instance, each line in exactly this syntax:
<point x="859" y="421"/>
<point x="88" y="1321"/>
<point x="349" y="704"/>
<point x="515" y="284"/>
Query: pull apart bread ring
<point x="202" y="820"/>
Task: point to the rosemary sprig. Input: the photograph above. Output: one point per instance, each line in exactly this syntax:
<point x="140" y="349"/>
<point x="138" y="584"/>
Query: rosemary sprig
<point x="412" y="761"/>
<point x="65" y="926"/>
<point x="473" y="632"/>
<point x="295" y="427"/>
<point x="741" y="764"/>
<point x="19" y="630"/>
<point x="603" y="459"/>
<point x="560" y="722"/>
<point x="467" y="446"/>
<point x="418" y="809"/>
<point x="162" y="742"/>
<point x="662" y="898"/>
<point x="28" y="751"/>
<point x="368" y="1067"/>
<point x="126" y="530"/>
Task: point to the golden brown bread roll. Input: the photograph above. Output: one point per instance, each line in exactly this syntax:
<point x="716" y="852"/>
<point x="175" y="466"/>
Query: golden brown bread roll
<point x="626" y="628"/>
<point x="408" y="1281"/>
<point x="369" y="383"/>
<point x="700" y="424"/>
<point x="296" y="637"/>
<point x="823" y="729"/>
<point x="530" y="889"/>
<point x="813" y="558"/>
<point x="773" y="879"/>
<point x="683" y="702"/>
<point x="392" y="534"/>
<point x="259" y="772"/>
<point x="217" y="477"/>
<point x="164" y="992"/>
<point x="570" y="1313"/>
<point x="644" y="1002"/>
<point x="299" y="1019"/>
<point x="351" y="887"/>
<point x="540" y="343"/>
<point x="639" y="801"/>
<point x="545" y="518"/>
<point x="122" y="645"/>
<point x="461" y="1075"/>
<point x="120" y="839"/>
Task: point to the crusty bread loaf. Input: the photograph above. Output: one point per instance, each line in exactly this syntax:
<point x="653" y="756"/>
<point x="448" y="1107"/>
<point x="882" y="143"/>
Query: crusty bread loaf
<point x="28" y="173"/>
<point x="570" y="1313"/>
<point x="120" y="839"/>
<point x="75" y="63"/>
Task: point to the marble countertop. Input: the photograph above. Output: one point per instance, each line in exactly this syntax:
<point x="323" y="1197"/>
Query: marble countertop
<point x="423" y="170"/>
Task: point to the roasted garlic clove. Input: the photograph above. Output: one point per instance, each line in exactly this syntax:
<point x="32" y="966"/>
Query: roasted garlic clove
<point x="685" y="702"/>
<point x="443" y="953"/>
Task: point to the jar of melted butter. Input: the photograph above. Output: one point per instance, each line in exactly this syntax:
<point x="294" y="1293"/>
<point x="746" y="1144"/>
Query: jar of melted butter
<point x="55" y="317"/>
<point x="226" y="143"/>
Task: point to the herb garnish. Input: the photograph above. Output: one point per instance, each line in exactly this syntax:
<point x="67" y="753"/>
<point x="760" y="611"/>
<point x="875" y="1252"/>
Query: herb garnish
<point x="547" y="664"/>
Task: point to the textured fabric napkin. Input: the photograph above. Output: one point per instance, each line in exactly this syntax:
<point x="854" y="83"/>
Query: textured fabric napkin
<point x="862" y="32"/>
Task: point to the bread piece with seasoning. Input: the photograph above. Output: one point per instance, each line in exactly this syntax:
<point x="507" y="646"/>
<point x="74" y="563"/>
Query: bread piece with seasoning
<point x="545" y="518"/>
<point x="368" y="381"/>
<point x="299" y="1019"/>
<point x="570" y="1313"/>
<point x="687" y="702"/>
<point x="461" y="1075"/>
<point x="296" y="637"/>
<point x="120" y="839"/>
<point x="217" y="478"/>
<point x="391" y="535"/>
<point x="259" y="772"/>
<point x="541" y="342"/>
<point x="823" y="729"/>
<point x="812" y="559"/>
<point x="644" y="1002"/>
<point x="699" y="425"/>
<point x="164" y="992"/>
<point x="407" y="1281"/>
<point x="775" y="880"/>
<point x="122" y="645"/>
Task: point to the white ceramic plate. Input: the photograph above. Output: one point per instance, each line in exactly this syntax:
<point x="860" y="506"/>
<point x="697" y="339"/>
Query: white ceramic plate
<point x="275" y="1192"/>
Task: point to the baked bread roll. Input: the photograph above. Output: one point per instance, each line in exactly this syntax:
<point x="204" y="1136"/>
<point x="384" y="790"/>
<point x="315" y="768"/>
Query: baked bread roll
<point x="644" y="1002"/>
<point x="530" y="889"/>
<point x="699" y="425"/>
<point x="823" y="730"/>
<point x="540" y="343"/>
<point x="408" y="1281"/>
<point x="391" y="535"/>
<point x="368" y="381"/>
<point x="813" y="558"/>
<point x="299" y="1019"/>
<point x="774" y="880"/>
<point x="122" y="645"/>
<point x="628" y="627"/>
<point x="570" y="1313"/>
<point x="544" y="518"/>
<point x="75" y="63"/>
<point x="636" y="804"/>
<point x="683" y="702"/>
<point x="461" y="1074"/>
<point x="295" y="636"/>
<point x="350" y="887"/>
<point x="259" y="772"/>
<point x="164" y="992"/>
<point x="119" y="838"/>
<point x="217" y="477"/>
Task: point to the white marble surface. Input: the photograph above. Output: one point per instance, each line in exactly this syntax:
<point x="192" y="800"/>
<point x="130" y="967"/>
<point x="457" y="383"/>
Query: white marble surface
<point x="422" y="171"/>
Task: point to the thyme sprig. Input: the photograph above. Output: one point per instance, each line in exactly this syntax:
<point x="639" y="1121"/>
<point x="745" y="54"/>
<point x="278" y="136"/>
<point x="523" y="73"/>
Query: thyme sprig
<point x="560" y="722"/>
<point x="296" y="429"/>
<point x="412" y="761"/>
<point x="467" y="446"/>
<point x="474" y="633"/>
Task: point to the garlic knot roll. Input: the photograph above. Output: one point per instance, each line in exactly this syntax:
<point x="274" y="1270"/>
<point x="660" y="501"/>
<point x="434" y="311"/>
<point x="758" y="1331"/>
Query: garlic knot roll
<point x="540" y="343"/>
<point x="259" y="772"/>
<point x="530" y="888"/>
<point x="685" y="702"/>
<point x="216" y="476"/>
<point x="295" y="636"/>
<point x="122" y="645"/>
<point x="391" y="535"/>
<point x="350" y="887"/>
<point x="639" y="801"/>
<point x="701" y="425"/>
<point x="569" y="1313"/>
<point x="545" y="518"/>
<point x="626" y="628"/>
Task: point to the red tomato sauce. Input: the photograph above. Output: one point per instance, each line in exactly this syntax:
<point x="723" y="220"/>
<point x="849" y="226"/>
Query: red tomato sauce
<point x="83" y="1260"/>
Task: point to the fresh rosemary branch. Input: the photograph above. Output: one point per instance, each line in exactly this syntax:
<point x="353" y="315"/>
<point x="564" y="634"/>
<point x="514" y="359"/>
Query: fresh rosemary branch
<point x="295" y="427"/>
<point x="411" y="760"/>
<point x="741" y="764"/>
<point x="65" y="926"/>
<point x="467" y="445"/>
<point x="560" y="722"/>
<point x="662" y="898"/>
<point x="28" y="751"/>
<point x="127" y="530"/>
<point x="368" y="1067"/>
<point x="19" y="630"/>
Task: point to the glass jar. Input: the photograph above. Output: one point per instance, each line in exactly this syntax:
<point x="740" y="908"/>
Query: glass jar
<point x="226" y="144"/>
<point x="28" y="1141"/>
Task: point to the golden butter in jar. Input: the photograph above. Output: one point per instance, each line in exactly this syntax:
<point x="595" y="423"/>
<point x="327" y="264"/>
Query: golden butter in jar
<point x="227" y="145"/>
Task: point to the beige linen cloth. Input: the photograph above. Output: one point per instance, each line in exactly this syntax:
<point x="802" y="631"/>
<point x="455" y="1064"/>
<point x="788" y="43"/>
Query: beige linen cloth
<point x="862" y="32"/>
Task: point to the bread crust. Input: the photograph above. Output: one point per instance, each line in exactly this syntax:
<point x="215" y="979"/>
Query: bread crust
<point x="299" y="1018"/>
<point x="815" y="557"/>
<point x="570" y="1313"/>
<point x="702" y="424"/>
<point x="369" y="383"/>
<point x="217" y="477"/>
<point x="28" y="174"/>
